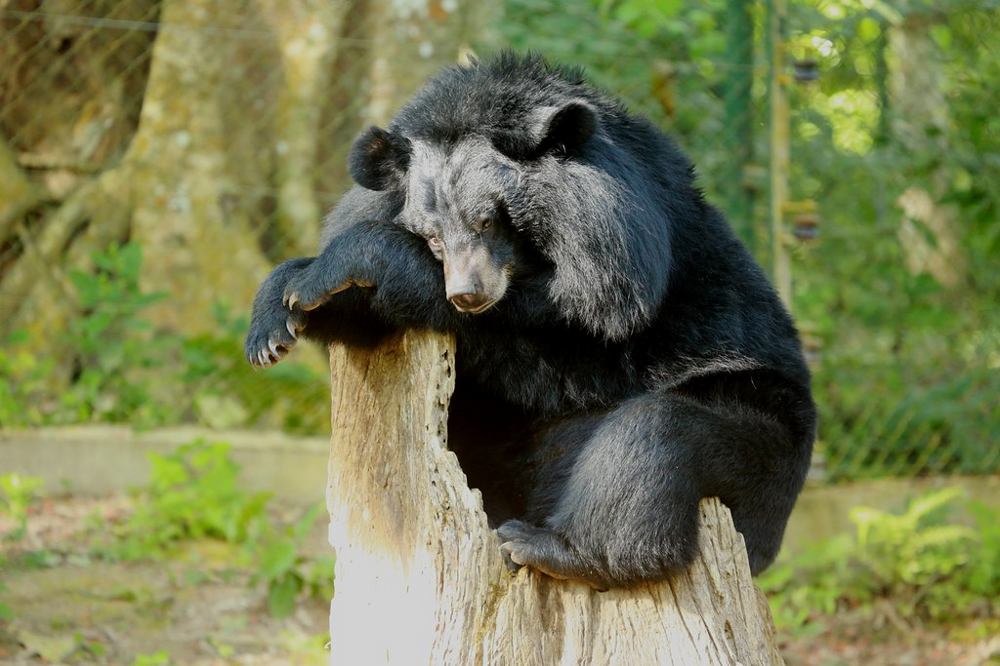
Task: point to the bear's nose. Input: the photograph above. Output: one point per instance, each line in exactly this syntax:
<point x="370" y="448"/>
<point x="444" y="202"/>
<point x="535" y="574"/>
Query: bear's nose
<point x="470" y="301"/>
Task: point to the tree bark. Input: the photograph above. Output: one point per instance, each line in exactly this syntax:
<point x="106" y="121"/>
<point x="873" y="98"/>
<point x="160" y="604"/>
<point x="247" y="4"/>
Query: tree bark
<point x="420" y="579"/>
<point x="69" y="103"/>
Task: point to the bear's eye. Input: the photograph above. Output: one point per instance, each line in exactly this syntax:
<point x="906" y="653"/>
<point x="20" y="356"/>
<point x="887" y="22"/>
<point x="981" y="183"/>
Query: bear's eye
<point x="484" y="223"/>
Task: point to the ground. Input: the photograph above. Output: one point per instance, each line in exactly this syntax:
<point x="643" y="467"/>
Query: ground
<point x="849" y="642"/>
<point x="198" y="608"/>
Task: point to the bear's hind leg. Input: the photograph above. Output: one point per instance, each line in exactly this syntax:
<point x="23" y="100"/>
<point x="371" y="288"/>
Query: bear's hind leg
<point x="619" y="505"/>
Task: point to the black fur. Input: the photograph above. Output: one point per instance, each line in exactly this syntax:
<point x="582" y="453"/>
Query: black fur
<point x="627" y="357"/>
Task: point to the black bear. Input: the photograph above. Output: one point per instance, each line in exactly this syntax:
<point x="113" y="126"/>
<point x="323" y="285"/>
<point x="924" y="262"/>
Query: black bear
<point x="619" y="353"/>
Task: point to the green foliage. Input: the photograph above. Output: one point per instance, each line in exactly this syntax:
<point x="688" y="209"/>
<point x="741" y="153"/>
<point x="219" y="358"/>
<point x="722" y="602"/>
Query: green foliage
<point x="626" y="46"/>
<point x="982" y="575"/>
<point x="193" y="493"/>
<point x="17" y="493"/>
<point x="161" y="658"/>
<point x="129" y="373"/>
<point x="114" y="352"/>
<point x="287" y="572"/>
<point x="910" y="369"/>
<point x="114" y="345"/>
<point x="817" y="582"/>
<point x="6" y="614"/>
<point x="911" y="549"/>
<point x="941" y="421"/>
<point x="924" y="567"/>
<point x="22" y="380"/>
<point x="914" y="559"/>
<point x="224" y="383"/>
<point x="697" y="26"/>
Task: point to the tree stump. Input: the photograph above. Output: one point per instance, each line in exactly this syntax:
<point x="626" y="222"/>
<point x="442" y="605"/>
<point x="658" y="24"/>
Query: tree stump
<point x="419" y="575"/>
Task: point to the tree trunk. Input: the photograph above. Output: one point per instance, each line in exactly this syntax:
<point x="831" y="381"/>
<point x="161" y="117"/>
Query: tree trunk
<point x="212" y="133"/>
<point x="420" y="578"/>
<point x="69" y="103"/>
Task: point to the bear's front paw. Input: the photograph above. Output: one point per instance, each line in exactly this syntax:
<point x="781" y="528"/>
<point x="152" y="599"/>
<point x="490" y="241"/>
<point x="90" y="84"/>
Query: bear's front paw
<point x="273" y="336"/>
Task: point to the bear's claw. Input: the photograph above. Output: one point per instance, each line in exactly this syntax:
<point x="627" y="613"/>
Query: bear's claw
<point x="306" y="301"/>
<point x="269" y="342"/>
<point x="306" y="295"/>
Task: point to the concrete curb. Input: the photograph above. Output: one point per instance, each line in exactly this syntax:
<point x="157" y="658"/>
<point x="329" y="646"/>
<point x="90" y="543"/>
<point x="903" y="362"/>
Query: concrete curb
<point x="99" y="460"/>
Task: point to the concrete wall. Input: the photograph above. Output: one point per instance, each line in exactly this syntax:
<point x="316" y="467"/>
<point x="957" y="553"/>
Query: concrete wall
<point x="821" y="511"/>
<point x="95" y="460"/>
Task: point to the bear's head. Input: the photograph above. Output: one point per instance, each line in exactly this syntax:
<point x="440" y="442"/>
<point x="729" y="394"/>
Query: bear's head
<point x="467" y="197"/>
<point x="494" y="161"/>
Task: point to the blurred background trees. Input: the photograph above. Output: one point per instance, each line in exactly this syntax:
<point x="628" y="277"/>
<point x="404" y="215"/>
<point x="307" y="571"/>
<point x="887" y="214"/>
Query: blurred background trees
<point x="211" y="136"/>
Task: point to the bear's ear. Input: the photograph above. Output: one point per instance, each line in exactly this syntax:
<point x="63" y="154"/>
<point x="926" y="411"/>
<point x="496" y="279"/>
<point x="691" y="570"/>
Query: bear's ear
<point x="379" y="159"/>
<point x="562" y="130"/>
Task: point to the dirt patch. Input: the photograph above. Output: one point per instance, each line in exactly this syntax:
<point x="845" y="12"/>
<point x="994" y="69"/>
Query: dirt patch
<point x="198" y="607"/>
<point x="852" y="638"/>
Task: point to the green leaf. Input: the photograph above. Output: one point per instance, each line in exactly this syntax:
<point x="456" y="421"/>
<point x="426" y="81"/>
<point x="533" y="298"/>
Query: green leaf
<point x="278" y="558"/>
<point x="865" y="518"/>
<point x="281" y="595"/>
<point x="945" y="536"/>
<point x="161" y="658"/>
<point x="927" y="504"/>
<point x="306" y="522"/>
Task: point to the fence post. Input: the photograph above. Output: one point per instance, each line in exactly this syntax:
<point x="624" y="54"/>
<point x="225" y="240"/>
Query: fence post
<point x="737" y="194"/>
<point x="780" y="148"/>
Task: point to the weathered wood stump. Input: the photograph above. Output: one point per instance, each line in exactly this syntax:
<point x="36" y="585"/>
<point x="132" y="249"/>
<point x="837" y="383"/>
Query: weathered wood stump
<point x="420" y="578"/>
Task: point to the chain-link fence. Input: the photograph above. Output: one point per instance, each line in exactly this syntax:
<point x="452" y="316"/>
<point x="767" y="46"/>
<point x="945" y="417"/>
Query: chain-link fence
<point x="894" y="144"/>
<point x="212" y="136"/>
